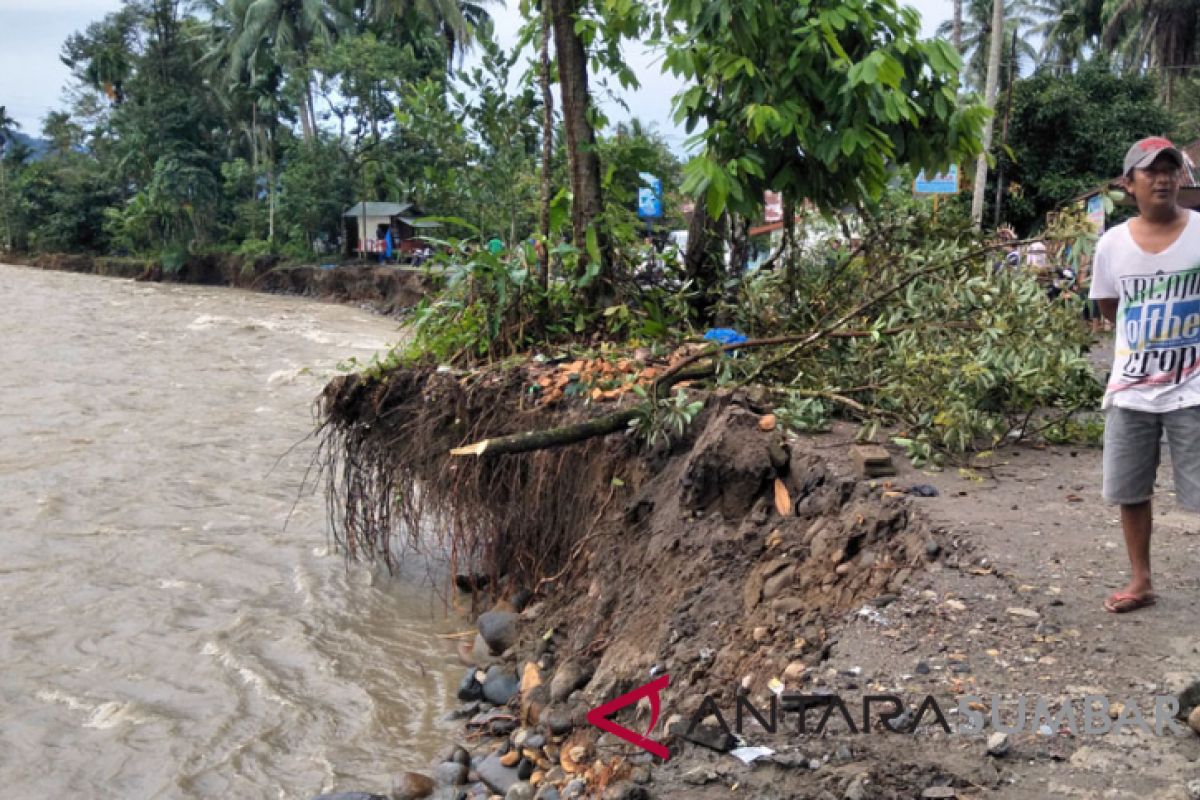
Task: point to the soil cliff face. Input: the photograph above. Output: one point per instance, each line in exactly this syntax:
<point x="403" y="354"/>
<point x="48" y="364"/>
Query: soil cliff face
<point x="709" y="576"/>
<point x="385" y="290"/>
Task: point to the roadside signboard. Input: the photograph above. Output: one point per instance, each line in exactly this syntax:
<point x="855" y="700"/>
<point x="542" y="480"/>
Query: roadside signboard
<point x="772" y="207"/>
<point x="941" y="183"/>
<point x="650" y="197"/>
<point x="1095" y="212"/>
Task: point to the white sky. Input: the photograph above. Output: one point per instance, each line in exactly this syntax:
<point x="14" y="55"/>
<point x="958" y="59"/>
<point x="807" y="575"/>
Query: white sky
<point x="32" y="77"/>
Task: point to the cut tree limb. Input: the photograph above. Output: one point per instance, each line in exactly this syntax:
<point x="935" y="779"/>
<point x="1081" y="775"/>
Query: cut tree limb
<point x="570" y="434"/>
<point x="554" y="437"/>
<point x="684" y="370"/>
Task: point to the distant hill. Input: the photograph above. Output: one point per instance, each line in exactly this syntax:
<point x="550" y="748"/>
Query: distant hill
<point x="38" y="147"/>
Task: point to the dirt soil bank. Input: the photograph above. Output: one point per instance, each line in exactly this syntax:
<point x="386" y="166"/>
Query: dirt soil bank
<point x="385" y="290"/>
<point x="993" y="588"/>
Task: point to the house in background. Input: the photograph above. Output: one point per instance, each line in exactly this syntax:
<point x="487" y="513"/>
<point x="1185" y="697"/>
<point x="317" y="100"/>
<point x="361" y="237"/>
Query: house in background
<point x="367" y="225"/>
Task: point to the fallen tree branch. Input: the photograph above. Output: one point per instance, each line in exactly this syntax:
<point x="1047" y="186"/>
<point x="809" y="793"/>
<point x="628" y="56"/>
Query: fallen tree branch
<point x="802" y="340"/>
<point x="834" y="397"/>
<point x="570" y="434"/>
<point x="619" y="420"/>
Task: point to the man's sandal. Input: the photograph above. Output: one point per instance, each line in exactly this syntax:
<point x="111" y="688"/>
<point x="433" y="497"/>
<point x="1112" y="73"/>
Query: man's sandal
<point x="1124" y="602"/>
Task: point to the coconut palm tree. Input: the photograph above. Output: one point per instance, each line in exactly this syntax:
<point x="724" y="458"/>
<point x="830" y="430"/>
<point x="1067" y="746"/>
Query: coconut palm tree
<point x="977" y="37"/>
<point x="457" y="21"/>
<point x="1162" y="35"/>
<point x="1069" y="30"/>
<point x="8" y="127"/>
<point x="283" y="30"/>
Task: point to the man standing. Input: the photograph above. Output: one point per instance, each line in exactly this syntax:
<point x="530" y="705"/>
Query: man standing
<point x="1146" y="279"/>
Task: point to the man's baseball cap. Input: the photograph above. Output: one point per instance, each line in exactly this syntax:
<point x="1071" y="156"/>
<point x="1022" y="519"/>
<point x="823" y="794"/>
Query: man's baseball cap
<point x="1143" y="153"/>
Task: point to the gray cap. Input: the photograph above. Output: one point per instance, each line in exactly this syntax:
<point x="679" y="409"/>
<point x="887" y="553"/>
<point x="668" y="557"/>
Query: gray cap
<point x="1143" y="153"/>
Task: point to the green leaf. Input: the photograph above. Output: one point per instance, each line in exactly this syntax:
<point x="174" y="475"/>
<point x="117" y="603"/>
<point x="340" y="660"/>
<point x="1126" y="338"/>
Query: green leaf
<point x="593" y="245"/>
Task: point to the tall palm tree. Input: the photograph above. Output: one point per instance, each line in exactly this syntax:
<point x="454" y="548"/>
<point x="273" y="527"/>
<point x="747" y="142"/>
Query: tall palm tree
<point x="956" y="27"/>
<point x="1162" y="35"/>
<point x="286" y="30"/>
<point x="8" y="127"/>
<point x="1069" y="30"/>
<point x="458" y="22"/>
<point x="995" y="46"/>
<point x="977" y="38"/>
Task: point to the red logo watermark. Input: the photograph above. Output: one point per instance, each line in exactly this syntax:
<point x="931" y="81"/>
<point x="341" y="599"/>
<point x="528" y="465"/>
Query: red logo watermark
<point x="599" y="716"/>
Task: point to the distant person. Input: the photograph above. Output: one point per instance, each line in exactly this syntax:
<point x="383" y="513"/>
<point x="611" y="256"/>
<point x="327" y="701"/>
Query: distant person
<point x="1035" y="256"/>
<point x="1011" y="259"/>
<point x="1146" y="279"/>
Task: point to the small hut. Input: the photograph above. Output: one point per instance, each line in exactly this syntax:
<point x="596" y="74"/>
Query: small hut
<point x="367" y="225"/>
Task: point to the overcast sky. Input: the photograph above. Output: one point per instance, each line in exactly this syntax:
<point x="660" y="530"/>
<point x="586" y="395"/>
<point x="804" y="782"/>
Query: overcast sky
<point x="32" y="77"/>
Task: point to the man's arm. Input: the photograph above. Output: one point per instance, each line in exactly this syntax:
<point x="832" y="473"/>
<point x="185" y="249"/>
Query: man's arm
<point x="1108" y="307"/>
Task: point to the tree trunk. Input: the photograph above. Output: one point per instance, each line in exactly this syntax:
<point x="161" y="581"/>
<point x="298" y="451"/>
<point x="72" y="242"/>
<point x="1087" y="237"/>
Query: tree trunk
<point x="787" y="247"/>
<point x="993" y="78"/>
<point x="254" y="166"/>
<point x="1012" y="78"/>
<point x="547" y="150"/>
<point x="306" y="127"/>
<point x="957" y="34"/>
<point x="704" y="260"/>
<point x="269" y="154"/>
<point x="581" y="138"/>
<point x="4" y="198"/>
<point x="271" y="203"/>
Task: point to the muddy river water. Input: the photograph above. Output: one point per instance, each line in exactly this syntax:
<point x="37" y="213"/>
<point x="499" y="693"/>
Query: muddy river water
<point x="162" y="633"/>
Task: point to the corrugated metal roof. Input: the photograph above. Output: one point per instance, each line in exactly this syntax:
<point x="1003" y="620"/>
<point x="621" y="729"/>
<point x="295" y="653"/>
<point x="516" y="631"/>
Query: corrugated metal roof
<point x="416" y="222"/>
<point x="378" y="209"/>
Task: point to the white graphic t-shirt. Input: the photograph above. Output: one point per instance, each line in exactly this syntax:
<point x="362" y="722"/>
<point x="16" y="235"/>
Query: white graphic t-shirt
<point x="1158" y="319"/>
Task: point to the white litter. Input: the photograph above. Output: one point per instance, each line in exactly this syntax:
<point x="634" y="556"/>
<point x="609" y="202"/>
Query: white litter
<point x="747" y="755"/>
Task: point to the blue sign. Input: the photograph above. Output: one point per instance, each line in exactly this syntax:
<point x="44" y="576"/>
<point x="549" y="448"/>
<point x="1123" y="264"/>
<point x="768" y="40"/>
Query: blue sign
<point x="650" y="198"/>
<point x="941" y="183"/>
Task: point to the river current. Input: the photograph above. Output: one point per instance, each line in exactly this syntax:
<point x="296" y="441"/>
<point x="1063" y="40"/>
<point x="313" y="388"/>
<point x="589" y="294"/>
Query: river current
<point x="162" y="632"/>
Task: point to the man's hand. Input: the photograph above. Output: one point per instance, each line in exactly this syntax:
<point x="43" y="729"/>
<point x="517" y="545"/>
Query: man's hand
<point x="1108" y="308"/>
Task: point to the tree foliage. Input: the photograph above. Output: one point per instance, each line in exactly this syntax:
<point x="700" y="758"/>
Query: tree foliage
<point x="819" y="99"/>
<point x="1069" y="134"/>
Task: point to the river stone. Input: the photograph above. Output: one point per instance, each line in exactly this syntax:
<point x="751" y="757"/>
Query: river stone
<point x="498" y="629"/>
<point x="997" y="744"/>
<point x="557" y="720"/>
<point x="412" y="786"/>
<point x="625" y="791"/>
<point x="470" y="688"/>
<point x="350" y="796"/>
<point x="574" y="790"/>
<point x="857" y="790"/>
<point x="500" y="686"/>
<point x="521" y="790"/>
<point x="461" y="713"/>
<point x="1194" y="719"/>
<point x="569" y="676"/>
<point x="1189" y="698"/>
<point x="547" y="791"/>
<point x="520" y="599"/>
<point x="451" y="774"/>
<point x="498" y="777"/>
<point x="939" y="793"/>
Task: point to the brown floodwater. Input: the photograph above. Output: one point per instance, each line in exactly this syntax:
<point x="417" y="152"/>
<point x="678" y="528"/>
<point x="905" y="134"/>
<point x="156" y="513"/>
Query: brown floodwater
<point x="162" y="633"/>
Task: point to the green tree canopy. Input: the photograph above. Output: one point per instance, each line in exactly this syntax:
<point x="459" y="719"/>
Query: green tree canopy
<point x="1069" y="134"/>
<point x="818" y="99"/>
